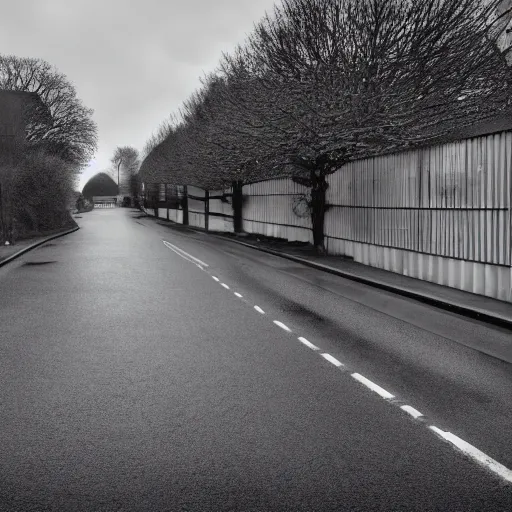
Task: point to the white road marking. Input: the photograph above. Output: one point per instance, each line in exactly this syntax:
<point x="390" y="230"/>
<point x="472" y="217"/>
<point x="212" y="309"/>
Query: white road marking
<point x="308" y="344"/>
<point x="371" y="385"/>
<point x="332" y="360"/>
<point x="411" y="410"/>
<point x="178" y="250"/>
<point x="468" y="449"/>
<point x="475" y="454"/>
<point x="179" y="253"/>
<point x="280" y="324"/>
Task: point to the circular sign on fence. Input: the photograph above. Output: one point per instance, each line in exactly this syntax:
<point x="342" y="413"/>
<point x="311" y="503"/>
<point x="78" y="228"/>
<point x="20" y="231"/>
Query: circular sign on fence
<point x="301" y="206"/>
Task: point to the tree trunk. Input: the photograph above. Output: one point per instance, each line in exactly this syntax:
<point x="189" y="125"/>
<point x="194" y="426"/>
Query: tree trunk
<point x="184" y="205"/>
<point x="237" y="204"/>
<point x="206" y="209"/>
<point x="318" y="208"/>
<point x="2" y="223"/>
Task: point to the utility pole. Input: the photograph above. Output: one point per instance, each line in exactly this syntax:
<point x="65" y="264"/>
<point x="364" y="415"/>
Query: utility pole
<point x="118" y="184"/>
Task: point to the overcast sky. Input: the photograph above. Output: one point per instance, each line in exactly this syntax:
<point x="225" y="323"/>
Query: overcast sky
<point x="134" y="61"/>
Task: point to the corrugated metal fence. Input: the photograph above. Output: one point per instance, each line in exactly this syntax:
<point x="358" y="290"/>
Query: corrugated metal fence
<point x="451" y="200"/>
<point x="442" y="213"/>
<point x="274" y="208"/>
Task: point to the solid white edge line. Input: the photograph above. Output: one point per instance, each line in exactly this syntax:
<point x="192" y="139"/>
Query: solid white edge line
<point x="332" y="360"/>
<point x="475" y="454"/>
<point x="238" y="294"/>
<point x="197" y="260"/>
<point x="179" y="253"/>
<point x="371" y="385"/>
<point x="307" y="343"/>
<point x="225" y="286"/>
<point x="216" y="278"/>
<point x="280" y="324"/>
<point x="259" y="310"/>
<point x="411" y="410"/>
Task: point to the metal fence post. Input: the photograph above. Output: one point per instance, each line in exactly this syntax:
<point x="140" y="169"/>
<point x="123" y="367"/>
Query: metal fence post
<point x="185" y="205"/>
<point x="2" y="225"/>
<point x="166" y="201"/>
<point x="206" y="208"/>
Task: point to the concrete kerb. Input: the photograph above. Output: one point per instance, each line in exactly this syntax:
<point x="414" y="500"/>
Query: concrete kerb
<point x="36" y="244"/>
<point x="425" y="298"/>
<point x="428" y="299"/>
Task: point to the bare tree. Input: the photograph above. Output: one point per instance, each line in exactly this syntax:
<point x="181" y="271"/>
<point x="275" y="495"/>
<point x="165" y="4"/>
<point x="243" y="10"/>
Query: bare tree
<point x="127" y="158"/>
<point x="160" y="135"/>
<point x="351" y="78"/>
<point x="69" y="132"/>
<point x="322" y="82"/>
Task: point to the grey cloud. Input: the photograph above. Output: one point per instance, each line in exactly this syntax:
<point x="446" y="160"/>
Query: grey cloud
<point x="132" y="62"/>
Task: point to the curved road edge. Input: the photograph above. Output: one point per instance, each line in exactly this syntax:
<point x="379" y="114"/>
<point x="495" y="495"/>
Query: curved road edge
<point x="36" y="244"/>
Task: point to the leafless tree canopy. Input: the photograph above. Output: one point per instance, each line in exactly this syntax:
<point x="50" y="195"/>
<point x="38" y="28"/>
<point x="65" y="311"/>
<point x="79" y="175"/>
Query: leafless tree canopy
<point x="320" y="82"/>
<point x="126" y="162"/>
<point x="128" y="157"/>
<point x="355" y="77"/>
<point x="161" y="133"/>
<point x="69" y="132"/>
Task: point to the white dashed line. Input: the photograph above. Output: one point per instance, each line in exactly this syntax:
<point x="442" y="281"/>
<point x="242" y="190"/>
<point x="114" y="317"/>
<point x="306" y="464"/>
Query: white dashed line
<point x="475" y="454"/>
<point x="468" y="449"/>
<point x="371" y="385"/>
<point x="411" y="410"/>
<point x="332" y="360"/>
<point x="308" y="344"/>
<point x="280" y="324"/>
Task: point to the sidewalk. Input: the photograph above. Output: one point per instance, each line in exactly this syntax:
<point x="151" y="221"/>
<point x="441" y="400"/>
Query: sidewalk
<point x="11" y="252"/>
<point x="464" y="303"/>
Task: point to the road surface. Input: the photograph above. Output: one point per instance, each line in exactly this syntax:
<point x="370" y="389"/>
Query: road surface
<point x="201" y="375"/>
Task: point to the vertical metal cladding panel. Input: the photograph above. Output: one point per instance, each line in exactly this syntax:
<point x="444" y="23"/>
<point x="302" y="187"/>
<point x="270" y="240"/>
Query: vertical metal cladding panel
<point x="269" y="209"/>
<point x="227" y="208"/>
<point x="220" y="222"/>
<point x="369" y="194"/>
<point x="450" y="200"/>
<point x="161" y="192"/>
<point x="215" y="205"/>
<point x="466" y="180"/>
<point x="196" y="207"/>
<point x="196" y="219"/>
<point x="506" y="198"/>
<point x="195" y="191"/>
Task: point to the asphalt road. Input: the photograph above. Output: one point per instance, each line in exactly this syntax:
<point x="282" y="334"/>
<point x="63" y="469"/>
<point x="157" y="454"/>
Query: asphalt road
<point x="133" y="378"/>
